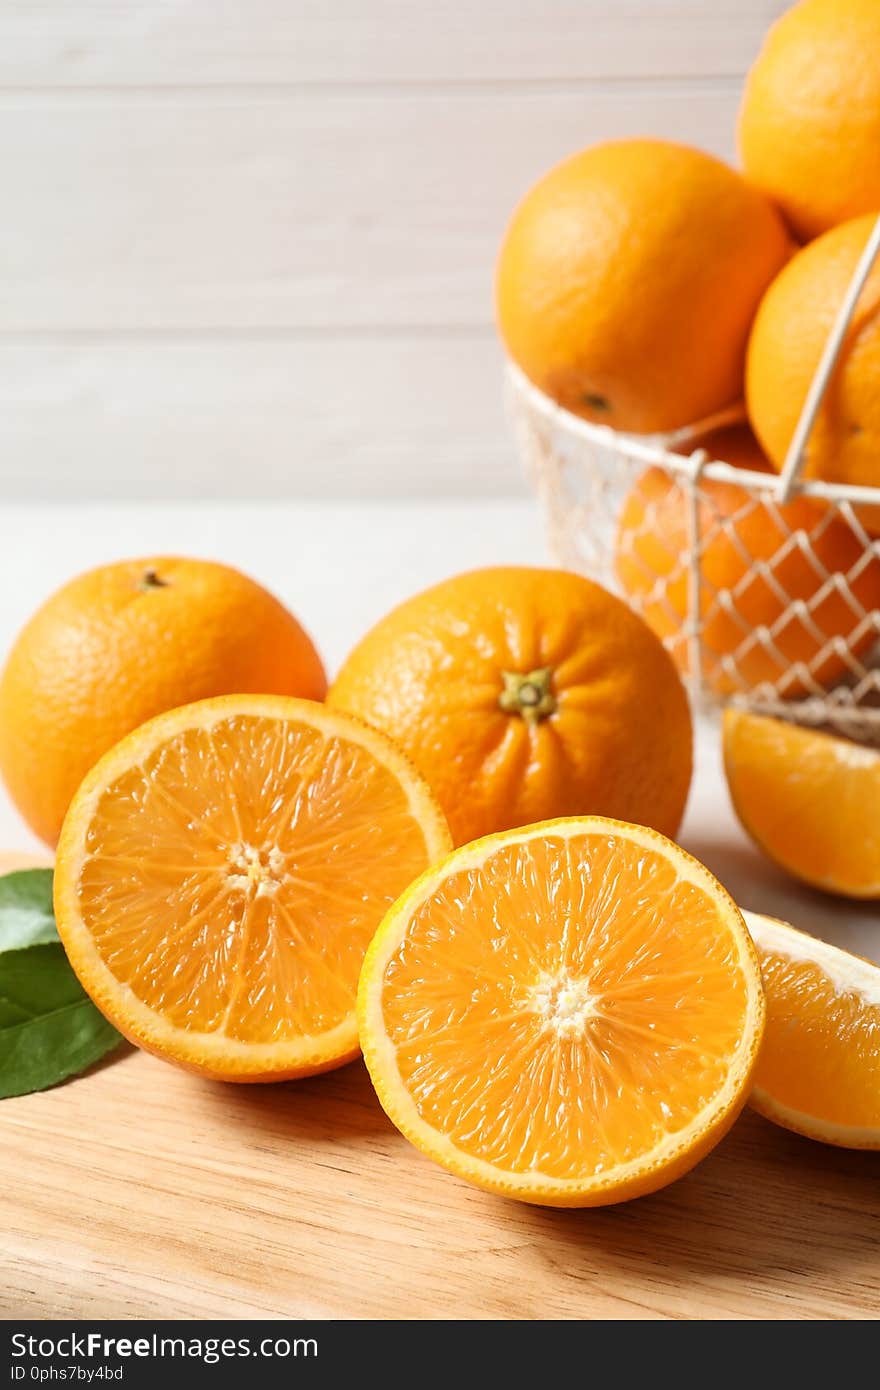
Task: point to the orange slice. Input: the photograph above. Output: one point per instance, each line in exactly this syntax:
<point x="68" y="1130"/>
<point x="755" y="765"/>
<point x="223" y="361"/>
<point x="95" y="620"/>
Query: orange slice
<point x="809" y="800"/>
<point x="818" y="1070"/>
<point x="220" y="874"/>
<point x="567" y="1013"/>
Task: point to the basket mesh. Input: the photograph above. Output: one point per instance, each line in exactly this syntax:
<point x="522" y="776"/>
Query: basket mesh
<point x="770" y="604"/>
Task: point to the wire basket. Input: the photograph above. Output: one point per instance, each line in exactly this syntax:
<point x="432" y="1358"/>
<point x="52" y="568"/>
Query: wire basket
<point x="767" y="593"/>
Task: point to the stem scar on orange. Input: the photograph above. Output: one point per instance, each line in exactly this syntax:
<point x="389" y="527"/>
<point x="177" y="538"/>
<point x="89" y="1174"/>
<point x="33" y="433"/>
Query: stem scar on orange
<point x="220" y="874"/>
<point x="522" y="694"/>
<point x="568" y="1014"/>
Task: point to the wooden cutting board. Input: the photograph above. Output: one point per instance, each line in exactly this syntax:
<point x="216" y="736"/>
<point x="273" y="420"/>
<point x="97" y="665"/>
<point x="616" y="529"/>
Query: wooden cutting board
<point x="139" y="1190"/>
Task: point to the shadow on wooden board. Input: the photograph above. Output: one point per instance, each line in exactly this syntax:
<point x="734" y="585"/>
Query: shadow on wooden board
<point x="765" y="1202"/>
<point x="144" y="1191"/>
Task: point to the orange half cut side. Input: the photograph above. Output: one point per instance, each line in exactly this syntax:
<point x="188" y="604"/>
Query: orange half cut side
<point x="220" y="874"/>
<point x="568" y="1013"/>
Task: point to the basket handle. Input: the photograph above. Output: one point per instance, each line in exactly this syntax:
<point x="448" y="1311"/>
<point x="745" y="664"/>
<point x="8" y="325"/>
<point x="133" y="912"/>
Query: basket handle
<point x="789" y="474"/>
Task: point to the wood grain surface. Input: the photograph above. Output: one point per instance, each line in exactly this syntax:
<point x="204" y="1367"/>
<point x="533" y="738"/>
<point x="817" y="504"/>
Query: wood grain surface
<point x="143" y="1191"/>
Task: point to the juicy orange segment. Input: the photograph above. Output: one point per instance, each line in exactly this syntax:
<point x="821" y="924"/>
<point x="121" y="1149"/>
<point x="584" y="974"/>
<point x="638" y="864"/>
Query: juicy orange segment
<point x="819" y="1067"/>
<point x="221" y="872"/>
<point x="568" y="1013"/>
<point x="809" y="800"/>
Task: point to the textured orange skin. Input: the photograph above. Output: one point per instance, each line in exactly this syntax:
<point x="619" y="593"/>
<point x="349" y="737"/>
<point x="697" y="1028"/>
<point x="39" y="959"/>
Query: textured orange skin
<point x="630" y="273"/>
<point x="104" y="654"/>
<point x="787" y="339"/>
<point x="654" y="525"/>
<point x="809" y="124"/>
<point x="429" y="675"/>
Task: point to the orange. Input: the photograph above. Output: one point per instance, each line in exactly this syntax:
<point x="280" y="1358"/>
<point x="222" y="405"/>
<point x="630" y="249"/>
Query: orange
<point x="809" y="126"/>
<point x="628" y="279"/>
<point x="522" y="694"/>
<point x="122" y="643"/>
<point x="818" y="1070"/>
<point x="789" y="333"/>
<point x="734" y="444"/>
<point x="809" y="800"/>
<point x="220" y="874"/>
<point x="771" y="607"/>
<point x="653" y="539"/>
<point x="568" y="1014"/>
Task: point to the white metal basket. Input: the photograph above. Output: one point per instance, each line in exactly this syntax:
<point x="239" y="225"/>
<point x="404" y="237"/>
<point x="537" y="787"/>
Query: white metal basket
<point x="830" y="675"/>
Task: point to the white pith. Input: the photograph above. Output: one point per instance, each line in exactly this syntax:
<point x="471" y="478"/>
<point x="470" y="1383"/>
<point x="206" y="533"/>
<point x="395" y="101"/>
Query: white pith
<point x="563" y="1002"/>
<point x="258" y="873"/>
<point x="855" y="755"/>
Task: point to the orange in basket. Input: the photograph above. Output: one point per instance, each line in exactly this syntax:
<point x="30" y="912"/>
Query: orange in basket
<point x="809" y="125"/>
<point x="787" y="342"/>
<point x="788" y="591"/>
<point x="628" y="279"/>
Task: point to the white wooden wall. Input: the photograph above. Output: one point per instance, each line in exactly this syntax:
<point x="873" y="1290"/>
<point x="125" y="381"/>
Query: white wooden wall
<point x="246" y="246"/>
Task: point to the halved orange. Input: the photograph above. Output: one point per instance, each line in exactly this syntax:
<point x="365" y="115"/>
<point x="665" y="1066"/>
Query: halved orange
<point x="220" y="874"/>
<point x="818" y="1071"/>
<point x="809" y="800"/>
<point x="568" y="1013"/>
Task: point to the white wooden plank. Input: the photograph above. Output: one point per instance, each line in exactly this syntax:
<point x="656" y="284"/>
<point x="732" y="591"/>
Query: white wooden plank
<point x="206" y="210"/>
<point x="348" y="415"/>
<point x="205" y="42"/>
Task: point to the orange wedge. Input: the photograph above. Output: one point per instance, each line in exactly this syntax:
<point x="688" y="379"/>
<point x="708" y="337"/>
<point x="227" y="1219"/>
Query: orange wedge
<point x="568" y="1013"/>
<point x="220" y="874"/>
<point x="809" y="800"/>
<point x="819" y="1067"/>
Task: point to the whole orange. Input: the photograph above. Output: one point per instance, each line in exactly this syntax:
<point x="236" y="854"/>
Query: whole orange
<point x="771" y="607"/>
<point x="124" y="642"/>
<point x="628" y="278"/>
<point x="809" y="124"/>
<point x="788" y="336"/>
<point x="525" y="694"/>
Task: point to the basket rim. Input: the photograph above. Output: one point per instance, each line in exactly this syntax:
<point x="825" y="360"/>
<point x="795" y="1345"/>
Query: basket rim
<point x="659" y="450"/>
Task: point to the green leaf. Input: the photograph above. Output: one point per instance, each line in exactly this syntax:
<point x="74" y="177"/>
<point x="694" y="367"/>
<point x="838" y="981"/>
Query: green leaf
<point x="49" y="1028"/>
<point x="26" y="914"/>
